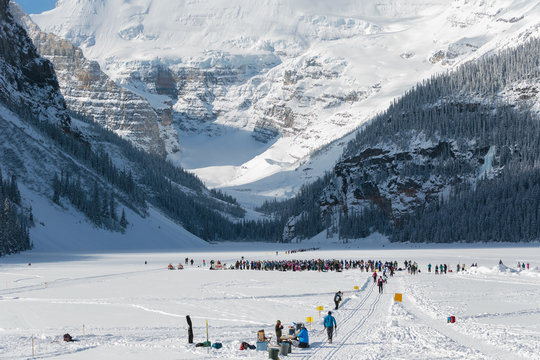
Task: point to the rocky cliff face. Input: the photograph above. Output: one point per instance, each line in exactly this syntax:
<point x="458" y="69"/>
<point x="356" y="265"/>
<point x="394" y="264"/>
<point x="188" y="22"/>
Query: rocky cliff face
<point x="88" y="91"/>
<point x="28" y="84"/>
<point x="398" y="180"/>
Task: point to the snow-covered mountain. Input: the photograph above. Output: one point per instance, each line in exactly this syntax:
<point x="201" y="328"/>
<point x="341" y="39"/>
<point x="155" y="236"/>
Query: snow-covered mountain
<point x="79" y="181"/>
<point x="257" y="86"/>
<point x="91" y="93"/>
<point x="454" y="159"/>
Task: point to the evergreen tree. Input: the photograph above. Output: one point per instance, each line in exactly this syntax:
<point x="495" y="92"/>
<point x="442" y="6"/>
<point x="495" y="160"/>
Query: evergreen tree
<point x="123" y="220"/>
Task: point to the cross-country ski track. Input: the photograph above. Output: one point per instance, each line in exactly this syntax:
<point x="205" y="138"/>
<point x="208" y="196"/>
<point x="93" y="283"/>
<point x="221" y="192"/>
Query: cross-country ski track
<point x="372" y="325"/>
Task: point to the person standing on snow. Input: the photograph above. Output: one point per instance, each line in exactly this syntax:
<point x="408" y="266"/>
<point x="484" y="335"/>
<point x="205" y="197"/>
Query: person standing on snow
<point x="380" y="285"/>
<point x="337" y="299"/>
<point x="374" y="276"/>
<point x="330" y="324"/>
<point x="279" y="328"/>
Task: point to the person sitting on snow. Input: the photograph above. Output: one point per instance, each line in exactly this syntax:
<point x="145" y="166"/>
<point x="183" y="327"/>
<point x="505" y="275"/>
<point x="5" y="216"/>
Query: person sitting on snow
<point x="303" y="338"/>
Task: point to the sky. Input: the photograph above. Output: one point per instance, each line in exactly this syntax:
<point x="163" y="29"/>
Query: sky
<point x="36" y="6"/>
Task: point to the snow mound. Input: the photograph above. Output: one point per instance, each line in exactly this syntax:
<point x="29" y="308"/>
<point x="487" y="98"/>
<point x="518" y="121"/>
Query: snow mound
<point x="506" y="269"/>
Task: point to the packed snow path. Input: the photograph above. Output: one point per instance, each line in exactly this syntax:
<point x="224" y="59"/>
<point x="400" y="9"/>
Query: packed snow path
<point x="134" y="310"/>
<point x="373" y="326"/>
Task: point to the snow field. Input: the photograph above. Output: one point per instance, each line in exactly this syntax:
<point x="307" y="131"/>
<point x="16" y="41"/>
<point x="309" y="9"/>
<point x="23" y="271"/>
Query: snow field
<point x="135" y="311"/>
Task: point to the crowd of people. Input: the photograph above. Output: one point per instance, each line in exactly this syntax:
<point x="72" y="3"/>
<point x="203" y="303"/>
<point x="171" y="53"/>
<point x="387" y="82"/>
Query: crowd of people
<point x="312" y="265"/>
<point x="299" y="250"/>
<point x="306" y="265"/>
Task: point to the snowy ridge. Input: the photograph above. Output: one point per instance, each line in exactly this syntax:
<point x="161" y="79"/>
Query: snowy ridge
<point x="298" y="75"/>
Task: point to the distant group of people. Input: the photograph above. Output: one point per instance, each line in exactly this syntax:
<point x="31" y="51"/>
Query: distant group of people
<point x="522" y="265"/>
<point x="311" y="265"/>
<point x="444" y="268"/>
<point x="412" y="267"/>
<point x="299" y="250"/>
<point x="439" y="269"/>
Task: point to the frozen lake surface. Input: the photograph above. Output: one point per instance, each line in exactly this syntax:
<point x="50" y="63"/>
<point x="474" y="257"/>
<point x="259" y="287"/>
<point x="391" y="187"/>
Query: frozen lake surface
<point x="133" y="310"/>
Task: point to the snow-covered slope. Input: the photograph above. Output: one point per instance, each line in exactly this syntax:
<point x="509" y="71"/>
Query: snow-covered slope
<point x="294" y="76"/>
<point x="35" y="159"/>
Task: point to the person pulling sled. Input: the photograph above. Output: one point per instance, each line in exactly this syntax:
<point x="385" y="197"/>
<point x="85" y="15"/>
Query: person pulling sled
<point x="337" y="298"/>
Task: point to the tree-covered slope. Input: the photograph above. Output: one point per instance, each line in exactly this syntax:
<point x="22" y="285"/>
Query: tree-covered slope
<point x="455" y="159"/>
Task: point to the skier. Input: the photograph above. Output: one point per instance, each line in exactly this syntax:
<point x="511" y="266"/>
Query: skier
<point x="279" y="327"/>
<point x="330" y="324"/>
<point x="337" y="298"/>
<point x="380" y="285"/>
<point x="429" y="268"/>
<point x="374" y="276"/>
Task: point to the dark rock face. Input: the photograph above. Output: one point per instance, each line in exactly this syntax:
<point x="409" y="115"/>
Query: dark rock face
<point x="399" y="180"/>
<point x="28" y="83"/>
<point x="3" y="6"/>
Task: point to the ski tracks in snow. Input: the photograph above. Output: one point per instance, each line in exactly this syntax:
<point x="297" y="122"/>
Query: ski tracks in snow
<point x="349" y="325"/>
<point x="373" y="326"/>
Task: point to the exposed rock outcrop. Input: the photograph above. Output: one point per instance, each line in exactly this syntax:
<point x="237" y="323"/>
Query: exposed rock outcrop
<point x="88" y="91"/>
<point x="28" y="84"/>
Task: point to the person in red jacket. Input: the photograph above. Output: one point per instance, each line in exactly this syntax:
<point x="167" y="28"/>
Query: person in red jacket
<point x="380" y="284"/>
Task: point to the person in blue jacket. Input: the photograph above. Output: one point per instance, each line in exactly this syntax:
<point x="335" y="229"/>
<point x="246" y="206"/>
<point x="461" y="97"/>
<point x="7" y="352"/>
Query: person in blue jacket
<point x="329" y="323"/>
<point x="303" y="338"/>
